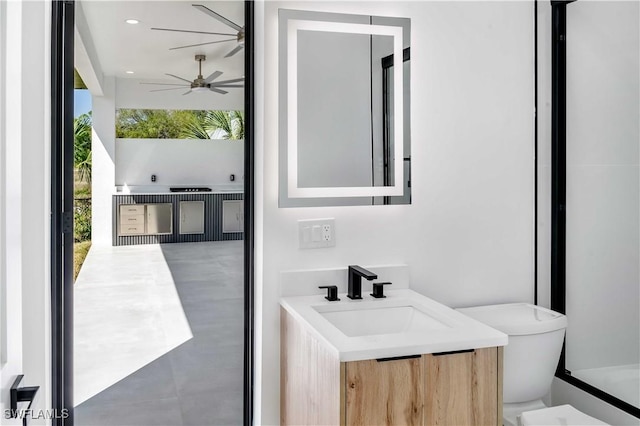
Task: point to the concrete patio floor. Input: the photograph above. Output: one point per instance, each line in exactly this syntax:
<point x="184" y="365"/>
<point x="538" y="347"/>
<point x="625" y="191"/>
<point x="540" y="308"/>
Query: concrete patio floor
<point x="159" y="335"/>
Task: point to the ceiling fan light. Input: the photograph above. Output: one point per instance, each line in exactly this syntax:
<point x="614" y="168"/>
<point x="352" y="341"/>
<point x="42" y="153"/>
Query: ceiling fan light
<point x="132" y="21"/>
<point x="200" y="89"/>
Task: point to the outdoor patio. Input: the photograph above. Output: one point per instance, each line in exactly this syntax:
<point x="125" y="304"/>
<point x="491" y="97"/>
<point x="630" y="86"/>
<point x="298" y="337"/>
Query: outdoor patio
<point x="159" y="335"/>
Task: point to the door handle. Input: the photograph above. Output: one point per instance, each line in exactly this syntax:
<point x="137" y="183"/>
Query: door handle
<point x="464" y="351"/>
<point x="398" y="358"/>
<point x="24" y="394"/>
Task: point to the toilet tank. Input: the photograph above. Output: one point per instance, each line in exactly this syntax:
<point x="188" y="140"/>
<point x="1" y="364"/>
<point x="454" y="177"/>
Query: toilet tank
<point x="535" y="342"/>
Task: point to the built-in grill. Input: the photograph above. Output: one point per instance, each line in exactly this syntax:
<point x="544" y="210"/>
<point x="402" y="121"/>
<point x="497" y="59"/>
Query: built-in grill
<point x="190" y="189"/>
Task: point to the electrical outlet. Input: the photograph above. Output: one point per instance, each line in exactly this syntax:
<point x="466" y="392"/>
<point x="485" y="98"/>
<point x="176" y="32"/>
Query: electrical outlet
<point x="326" y="232"/>
<point x="316" y="233"/>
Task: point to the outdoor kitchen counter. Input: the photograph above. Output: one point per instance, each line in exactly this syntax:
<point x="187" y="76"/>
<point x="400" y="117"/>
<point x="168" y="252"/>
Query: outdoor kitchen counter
<point x="161" y="217"/>
<point x="162" y="189"/>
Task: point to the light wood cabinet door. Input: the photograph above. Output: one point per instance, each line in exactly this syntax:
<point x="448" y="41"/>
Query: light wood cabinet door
<point x="310" y="378"/>
<point x="384" y="392"/>
<point x="462" y="388"/>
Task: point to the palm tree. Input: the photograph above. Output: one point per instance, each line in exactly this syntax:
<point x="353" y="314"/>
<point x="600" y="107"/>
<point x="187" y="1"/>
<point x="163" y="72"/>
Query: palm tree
<point x="220" y="123"/>
<point x="195" y="129"/>
<point x="82" y="146"/>
<point x="216" y="125"/>
<point x="238" y="121"/>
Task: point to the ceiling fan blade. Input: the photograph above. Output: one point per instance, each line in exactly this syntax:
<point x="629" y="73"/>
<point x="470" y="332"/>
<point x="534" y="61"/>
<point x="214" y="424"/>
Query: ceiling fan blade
<point x="222" y="92"/>
<point x="186" y="93"/>
<point x="234" y="51"/>
<point x="217" y="16"/>
<point x="162" y="90"/>
<point x="213" y="76"/>
<point x="166" y="84"/>
<point x="235" y="80"/>
<point x="194" y="32"/>
<point x="202" y="44"/>
<point x="179" y="78"/>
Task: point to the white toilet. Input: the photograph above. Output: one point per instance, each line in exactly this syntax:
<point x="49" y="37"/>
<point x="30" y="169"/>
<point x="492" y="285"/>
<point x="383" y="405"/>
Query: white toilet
<point x="530" y="360"/>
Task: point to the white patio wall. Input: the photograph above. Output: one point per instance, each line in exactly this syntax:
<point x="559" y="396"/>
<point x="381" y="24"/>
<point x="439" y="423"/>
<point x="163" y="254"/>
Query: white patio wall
<point x="178" y="161"/>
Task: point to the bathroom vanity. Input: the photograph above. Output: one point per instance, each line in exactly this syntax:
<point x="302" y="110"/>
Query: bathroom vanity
<point x="404" y="359"/>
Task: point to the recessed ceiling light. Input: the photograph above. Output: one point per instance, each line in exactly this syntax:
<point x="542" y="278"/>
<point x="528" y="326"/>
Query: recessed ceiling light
<point x="129" y="72"/>
<point x="132" y="21"/>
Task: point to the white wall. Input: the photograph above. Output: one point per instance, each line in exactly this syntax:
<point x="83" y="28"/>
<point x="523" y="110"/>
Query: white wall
<point x="85" y="59"/>
<point x="543" y="226"/>
<point x="10" y="204"/>
<point x="103" y="152"/>
<point x="467" y="237"/>
<point x="24" y="200"/>
<point x="178" y="161"/>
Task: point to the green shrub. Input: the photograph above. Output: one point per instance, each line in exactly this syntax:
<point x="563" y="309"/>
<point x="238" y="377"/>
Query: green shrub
<point x="81" y="219"/>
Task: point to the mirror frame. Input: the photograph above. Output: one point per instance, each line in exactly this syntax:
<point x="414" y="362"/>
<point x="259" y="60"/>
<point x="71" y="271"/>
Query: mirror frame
<point x="290" y="194"/>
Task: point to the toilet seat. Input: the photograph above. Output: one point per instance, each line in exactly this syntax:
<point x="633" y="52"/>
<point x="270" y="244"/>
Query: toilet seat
<point x="560" y="415"/>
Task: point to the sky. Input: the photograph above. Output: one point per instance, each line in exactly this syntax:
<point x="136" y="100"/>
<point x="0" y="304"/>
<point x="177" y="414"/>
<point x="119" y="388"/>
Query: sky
<point x="81" y="102"/>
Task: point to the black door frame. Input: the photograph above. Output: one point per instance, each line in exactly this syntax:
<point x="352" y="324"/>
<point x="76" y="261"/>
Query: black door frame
<point x="62" y="47"/>
<point x="249" y="196"/>
<point x="559" y="192"/>
<point x="62" y="67"/>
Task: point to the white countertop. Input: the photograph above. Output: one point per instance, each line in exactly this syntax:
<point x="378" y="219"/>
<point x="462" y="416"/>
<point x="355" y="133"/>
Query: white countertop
<point x="164" y="189"/>
<point x="458" y="333"/>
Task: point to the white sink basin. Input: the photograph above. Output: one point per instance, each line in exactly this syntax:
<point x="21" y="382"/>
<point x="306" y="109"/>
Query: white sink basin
<point x="404" y="323"/>
<point x="383" y="320"/>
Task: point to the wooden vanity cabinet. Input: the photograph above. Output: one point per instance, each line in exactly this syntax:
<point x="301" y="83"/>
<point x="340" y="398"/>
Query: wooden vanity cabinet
<point x="463" y="388"/>
<point x="454" y="388"/>
<point x="384" y="392"/>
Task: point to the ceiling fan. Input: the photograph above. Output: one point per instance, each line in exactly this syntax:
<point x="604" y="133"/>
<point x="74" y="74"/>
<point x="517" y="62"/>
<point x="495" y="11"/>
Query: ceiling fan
<point x="238" y="36"/>
<point x="200" y="84"/>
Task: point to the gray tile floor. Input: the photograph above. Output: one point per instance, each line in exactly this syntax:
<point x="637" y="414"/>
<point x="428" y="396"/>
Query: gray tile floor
<point x="198" y="382"/>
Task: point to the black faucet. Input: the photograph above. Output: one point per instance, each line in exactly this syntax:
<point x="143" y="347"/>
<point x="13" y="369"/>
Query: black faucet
<point x="356" y="273"/>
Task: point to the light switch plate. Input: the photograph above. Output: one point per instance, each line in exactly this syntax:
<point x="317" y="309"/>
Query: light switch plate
<point x="317" y="233"/>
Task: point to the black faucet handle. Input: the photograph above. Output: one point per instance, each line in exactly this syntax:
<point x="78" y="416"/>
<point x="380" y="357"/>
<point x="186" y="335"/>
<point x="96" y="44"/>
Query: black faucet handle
<point x="332" y="292"/>
<point x="378" y="290"/>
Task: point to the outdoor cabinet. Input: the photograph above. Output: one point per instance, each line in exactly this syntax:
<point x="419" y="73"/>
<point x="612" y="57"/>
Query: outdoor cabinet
<point x="192" y="217"/>
<point x="232" y="216"/>
<point x="159" y="218"/>
<point x="131" y="219"/>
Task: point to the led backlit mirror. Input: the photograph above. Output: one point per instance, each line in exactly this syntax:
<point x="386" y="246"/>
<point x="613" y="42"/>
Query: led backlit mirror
<point x="344" y="124"/>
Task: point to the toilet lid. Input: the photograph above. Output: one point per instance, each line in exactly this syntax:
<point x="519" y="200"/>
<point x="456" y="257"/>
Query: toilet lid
<point x="517" y="318"/>
<point x="560" y="415"/>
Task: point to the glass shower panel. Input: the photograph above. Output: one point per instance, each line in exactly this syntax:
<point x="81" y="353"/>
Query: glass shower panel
<point x="603" y="197"/>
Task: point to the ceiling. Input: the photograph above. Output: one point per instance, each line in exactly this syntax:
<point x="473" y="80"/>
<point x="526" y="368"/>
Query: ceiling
<point x="121" y="47"/>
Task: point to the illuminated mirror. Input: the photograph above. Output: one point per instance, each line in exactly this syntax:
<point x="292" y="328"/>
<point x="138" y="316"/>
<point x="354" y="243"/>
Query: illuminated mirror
<point x="344" y="109"/>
